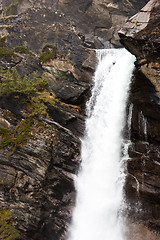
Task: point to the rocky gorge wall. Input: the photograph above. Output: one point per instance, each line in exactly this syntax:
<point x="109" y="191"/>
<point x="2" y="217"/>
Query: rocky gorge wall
<point x="56" y="41"/>
<point x="141" y="36"/>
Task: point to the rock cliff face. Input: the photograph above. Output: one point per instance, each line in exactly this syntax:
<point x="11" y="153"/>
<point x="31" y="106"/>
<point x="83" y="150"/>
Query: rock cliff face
<point x="97" y="22"/>
<point x="141" y="36"/>
<point x="54" y="39"/>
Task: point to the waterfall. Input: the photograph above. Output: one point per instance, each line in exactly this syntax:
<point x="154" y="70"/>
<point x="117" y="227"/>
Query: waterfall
<point x="129" y="121"/>
<point x="142" y="122"/>
<point x="127" y="141"/>
<point x="145" y="128"/>
<point x="100" y="180"/>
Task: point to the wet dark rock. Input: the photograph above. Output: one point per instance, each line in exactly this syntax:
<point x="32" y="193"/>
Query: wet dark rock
<point x="37" y="180"/>
<point x="12" y="106"/>
<point x="141" y="147"/>
<point x="141" y="38"/>
<point x="67" y="118"/>
<point x="28" y="65"/>
<point x="69" y="89"/>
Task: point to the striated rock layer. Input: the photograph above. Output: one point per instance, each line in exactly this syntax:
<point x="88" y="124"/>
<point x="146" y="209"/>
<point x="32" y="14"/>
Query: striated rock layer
<point x="37" y="178"/>
<point x="141" y="36"/>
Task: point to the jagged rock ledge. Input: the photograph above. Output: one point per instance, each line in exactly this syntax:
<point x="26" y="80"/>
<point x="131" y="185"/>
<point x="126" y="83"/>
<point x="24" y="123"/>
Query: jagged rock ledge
<point x="141" y="36"/>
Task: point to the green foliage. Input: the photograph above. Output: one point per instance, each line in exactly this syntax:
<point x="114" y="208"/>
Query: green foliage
<point x="38" y="107"/>
<point x="41" y="84"/>
<point x="28" y="90"/>
<point x="16" y="137"/>
<point x="48" y="52"/>
<point x="60" y="76"/>
<point x="48" y="48"/>
<point x="6" y="134"/>
<point x="12" y="85"/>
<point x="7" y="231"/>
<point x="12" y="8"/>
<point x="2" y="41"/>
<point x="46" y="57"/>
<point x="21" y="49"/>
<point x="32" y="92"/>
<point x="6" y="53"/>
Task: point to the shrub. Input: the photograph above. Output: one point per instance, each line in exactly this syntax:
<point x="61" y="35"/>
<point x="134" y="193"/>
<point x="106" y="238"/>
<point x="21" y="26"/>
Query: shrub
<point x="21" y="49"/>
<point x="16" y="137"/>
<point x="6" y="53"/>
<point x="46" y="57"/>
<point x="61" y="76"/>
<point x="13" y="85"/>
<point x="32" y="92"/>
<point x="48" y="48"/>
<point x="48" y="52"/>
<point x="2" y="41"/>
<point x="6" y="140"/>
<point x="27" y="90"/>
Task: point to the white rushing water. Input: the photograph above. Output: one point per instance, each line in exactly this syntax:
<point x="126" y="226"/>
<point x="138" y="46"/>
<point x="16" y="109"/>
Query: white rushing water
<point x="100" y="180"/>
<point x="143" y="125"/>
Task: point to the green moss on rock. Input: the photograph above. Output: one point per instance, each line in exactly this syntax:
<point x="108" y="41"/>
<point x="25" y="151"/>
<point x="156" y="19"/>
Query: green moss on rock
<point x="7" y="230"/>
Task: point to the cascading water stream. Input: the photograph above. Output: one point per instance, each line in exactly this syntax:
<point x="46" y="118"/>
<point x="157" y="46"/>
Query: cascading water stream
<point x="101" y="178"/>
